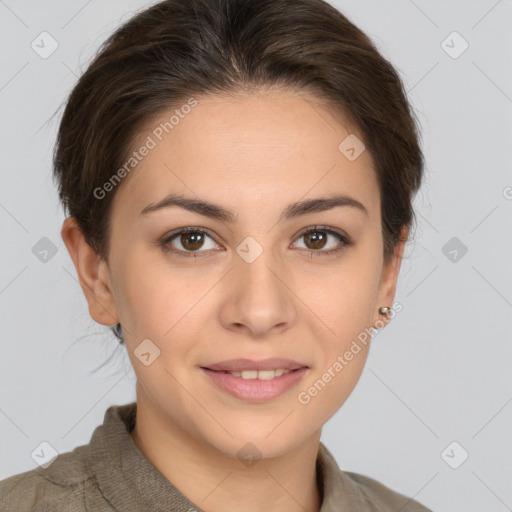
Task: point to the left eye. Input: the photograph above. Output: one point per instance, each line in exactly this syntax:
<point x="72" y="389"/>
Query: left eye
<point x="317" y="239"/>
<point x="193" y="239"/>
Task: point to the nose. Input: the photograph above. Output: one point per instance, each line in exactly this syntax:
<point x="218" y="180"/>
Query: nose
<point x="259" y="298"/>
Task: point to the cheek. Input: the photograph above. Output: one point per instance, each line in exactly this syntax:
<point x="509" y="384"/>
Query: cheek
<point x="345" y="298"/>
<point x="345" y="304"/>
<point x="161" y="301"/>
<point x="330" y="386"/>
<point x="138" y="294"/>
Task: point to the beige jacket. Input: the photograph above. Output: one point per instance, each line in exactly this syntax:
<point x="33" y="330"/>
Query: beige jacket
<point x="112" y="474"/>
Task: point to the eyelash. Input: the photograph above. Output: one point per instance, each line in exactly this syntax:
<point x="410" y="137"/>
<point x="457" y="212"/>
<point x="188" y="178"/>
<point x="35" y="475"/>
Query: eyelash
<point x="344" y="242"/>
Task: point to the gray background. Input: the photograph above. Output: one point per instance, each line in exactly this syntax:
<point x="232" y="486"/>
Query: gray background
<point x="440" y="372"/>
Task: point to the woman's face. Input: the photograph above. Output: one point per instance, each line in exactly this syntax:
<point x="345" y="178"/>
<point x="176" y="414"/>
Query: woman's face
<point x="255" y="285"/>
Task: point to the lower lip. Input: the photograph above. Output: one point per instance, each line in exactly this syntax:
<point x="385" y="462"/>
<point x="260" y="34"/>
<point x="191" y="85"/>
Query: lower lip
<point x="255" y="390"/>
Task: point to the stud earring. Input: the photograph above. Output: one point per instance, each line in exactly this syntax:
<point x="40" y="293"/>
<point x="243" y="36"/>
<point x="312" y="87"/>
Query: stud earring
<point x="384" y="310"/>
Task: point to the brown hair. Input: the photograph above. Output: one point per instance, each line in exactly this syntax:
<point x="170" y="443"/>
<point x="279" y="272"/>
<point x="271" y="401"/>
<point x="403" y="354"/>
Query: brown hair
<point x="176" y="49"/>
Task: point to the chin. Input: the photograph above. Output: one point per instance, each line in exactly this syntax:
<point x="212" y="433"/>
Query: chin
<point x="250" y="441"/>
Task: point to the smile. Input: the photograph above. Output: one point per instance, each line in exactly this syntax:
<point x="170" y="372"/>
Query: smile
<point x="261" y="375"/>
<point x="255" y="385"/>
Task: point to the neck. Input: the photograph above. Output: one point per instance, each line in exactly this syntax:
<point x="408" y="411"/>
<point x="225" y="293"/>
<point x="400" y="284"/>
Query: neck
<point x="216" y="482"/>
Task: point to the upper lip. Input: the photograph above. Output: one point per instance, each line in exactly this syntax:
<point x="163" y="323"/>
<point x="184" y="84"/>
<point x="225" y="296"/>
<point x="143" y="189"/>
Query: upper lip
<point x="238" y="365"/>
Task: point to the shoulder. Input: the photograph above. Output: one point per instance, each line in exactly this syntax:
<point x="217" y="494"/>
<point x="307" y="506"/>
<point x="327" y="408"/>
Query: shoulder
<point x="376" y="494"/>
<point x="61" y="486"/>
<point x="354" y="491"/>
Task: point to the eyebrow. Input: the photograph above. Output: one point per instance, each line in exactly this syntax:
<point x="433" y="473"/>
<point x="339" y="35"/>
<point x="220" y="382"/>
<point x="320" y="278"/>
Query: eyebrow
<point x="292" y="211"/>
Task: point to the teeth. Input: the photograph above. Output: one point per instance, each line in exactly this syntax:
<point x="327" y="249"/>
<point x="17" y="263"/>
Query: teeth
<point x="262" y="374"/>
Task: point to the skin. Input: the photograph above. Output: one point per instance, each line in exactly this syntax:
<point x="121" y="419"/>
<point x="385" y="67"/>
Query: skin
<point x="253" y="154"/>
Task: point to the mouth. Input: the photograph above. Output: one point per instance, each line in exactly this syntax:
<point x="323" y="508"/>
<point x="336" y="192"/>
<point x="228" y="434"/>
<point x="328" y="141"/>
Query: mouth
<point x="255" y="374"/>
<point x="248" y="365"/>
<point x="255" y="381"/>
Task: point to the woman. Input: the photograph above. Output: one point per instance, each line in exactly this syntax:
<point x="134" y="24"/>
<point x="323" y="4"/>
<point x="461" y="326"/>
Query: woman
<point x="238" y="176"/>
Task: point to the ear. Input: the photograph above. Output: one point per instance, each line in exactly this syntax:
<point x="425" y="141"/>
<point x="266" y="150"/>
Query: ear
<point x="93" y="274"/>
<point x="389" y="278"/>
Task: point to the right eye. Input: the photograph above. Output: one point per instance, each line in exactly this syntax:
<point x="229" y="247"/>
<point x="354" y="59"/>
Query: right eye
<point x="191" y="240"/>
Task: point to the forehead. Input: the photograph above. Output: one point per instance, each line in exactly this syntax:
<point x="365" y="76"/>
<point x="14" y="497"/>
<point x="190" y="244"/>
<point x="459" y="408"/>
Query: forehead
<point x="260" y="147"/>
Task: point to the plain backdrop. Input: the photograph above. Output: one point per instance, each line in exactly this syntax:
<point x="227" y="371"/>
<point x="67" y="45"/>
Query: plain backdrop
<point x="431" y="415"/>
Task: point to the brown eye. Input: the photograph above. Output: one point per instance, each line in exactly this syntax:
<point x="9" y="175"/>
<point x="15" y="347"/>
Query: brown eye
<point x="192" y="241"/>
<point x="188" y="242"/>
<point x="315" y="239"/>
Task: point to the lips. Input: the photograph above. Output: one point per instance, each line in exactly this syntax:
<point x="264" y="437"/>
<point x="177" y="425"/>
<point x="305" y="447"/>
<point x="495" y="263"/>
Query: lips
<point x="258" y="390"/>
<point x="240" y="365"/>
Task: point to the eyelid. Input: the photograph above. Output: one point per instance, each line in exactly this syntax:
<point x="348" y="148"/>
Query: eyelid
<point x="327" y="229"/>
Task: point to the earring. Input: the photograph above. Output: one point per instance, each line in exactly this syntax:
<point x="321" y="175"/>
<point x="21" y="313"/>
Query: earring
<point x="118" y="333"/>
<point x="384" y="310"/>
